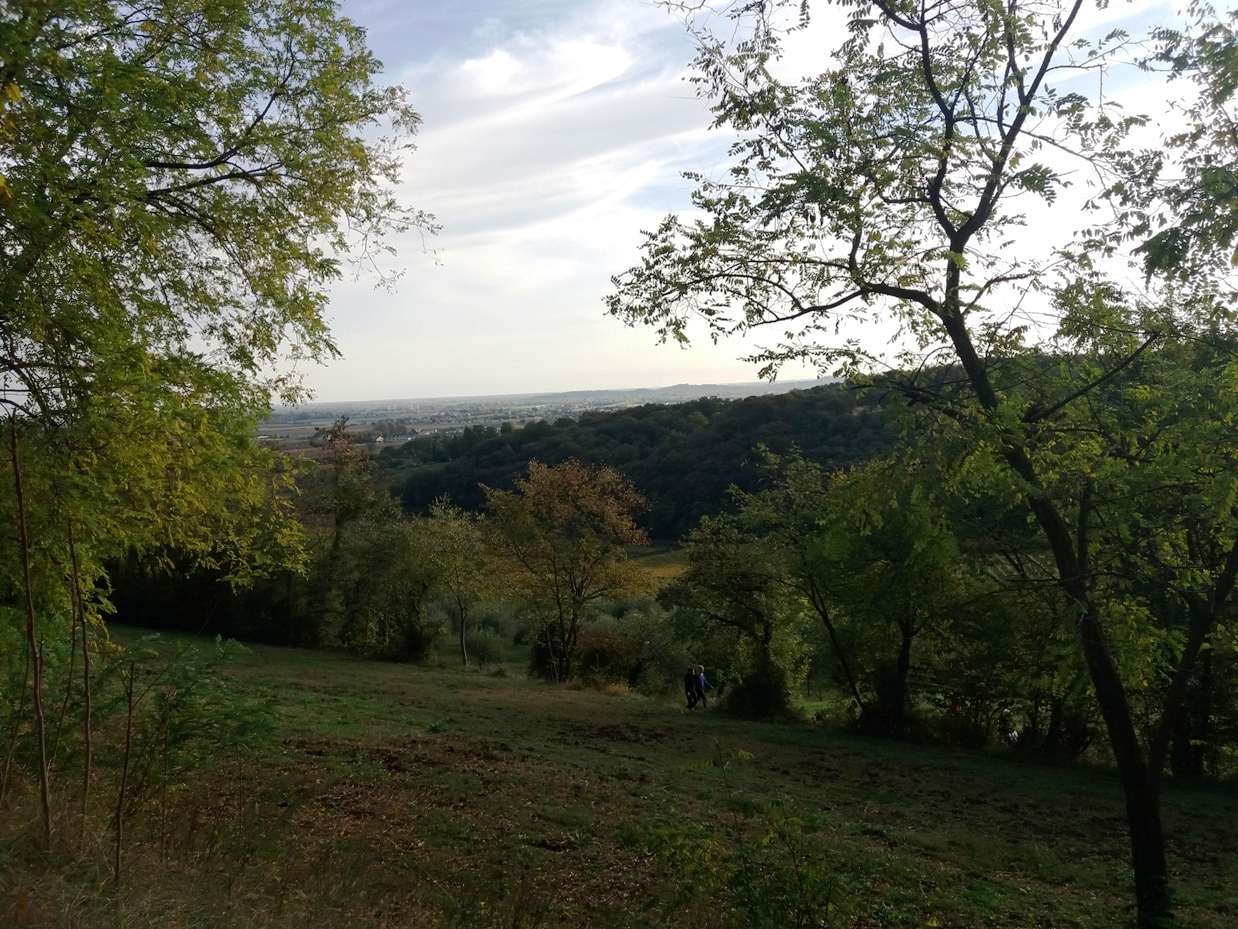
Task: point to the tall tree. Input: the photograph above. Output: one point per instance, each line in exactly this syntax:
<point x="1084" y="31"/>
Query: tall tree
<point x="455" y="542"/>
<point x="180" y="182"/>
<point x="891" y="185"/>
<point x="564" y="533"/>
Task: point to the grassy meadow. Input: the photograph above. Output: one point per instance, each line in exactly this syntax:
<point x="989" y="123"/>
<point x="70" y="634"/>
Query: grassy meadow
<point x="393" y="796"/>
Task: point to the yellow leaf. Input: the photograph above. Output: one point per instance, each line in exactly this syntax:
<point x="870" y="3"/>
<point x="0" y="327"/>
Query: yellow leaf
<point x="13" y="92"/>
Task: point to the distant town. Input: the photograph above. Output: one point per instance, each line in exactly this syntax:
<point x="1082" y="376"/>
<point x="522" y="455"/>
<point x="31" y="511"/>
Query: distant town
<point x="382" y="421"/>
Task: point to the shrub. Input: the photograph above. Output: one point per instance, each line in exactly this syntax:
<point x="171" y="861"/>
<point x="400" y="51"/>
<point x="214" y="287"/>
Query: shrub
<point x="604" y="654"/>
<point x="484" y="645"/>
<point x="761" y="693"/>
<point x="499" y="619"/>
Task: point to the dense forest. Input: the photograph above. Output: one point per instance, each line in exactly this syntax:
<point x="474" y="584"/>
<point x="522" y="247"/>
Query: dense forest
<point x="683" y="457"/>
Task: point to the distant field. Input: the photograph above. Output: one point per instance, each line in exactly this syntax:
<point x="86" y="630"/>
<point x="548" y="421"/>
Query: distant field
<point x="395" y="796"/>
<point x="661" y="565"/>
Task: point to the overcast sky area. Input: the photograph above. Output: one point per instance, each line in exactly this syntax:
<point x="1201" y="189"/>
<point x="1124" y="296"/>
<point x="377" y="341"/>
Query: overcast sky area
<point x="553" y="132"/>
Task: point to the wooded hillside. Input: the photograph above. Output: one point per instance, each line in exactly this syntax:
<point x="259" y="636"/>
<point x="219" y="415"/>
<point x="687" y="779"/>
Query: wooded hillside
<point x="682" y="457"/>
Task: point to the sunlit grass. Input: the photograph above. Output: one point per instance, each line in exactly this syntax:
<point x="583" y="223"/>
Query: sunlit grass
<point x="660" y="566"/>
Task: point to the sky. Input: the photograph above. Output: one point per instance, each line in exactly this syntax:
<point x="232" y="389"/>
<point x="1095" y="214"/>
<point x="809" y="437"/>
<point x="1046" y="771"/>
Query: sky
<point x="553" y="132"/>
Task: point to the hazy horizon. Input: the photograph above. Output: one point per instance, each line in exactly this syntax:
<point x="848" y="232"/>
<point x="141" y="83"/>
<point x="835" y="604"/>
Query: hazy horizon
<point x="758" y="386"/>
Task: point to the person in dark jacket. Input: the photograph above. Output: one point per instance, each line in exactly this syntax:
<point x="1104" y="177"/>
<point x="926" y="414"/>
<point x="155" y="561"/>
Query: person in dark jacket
<point x="702" y="685"/>
<point x="690" y="682"/>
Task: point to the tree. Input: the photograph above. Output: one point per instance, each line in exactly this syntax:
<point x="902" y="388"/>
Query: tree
<point x="456" y="546"/>
<point x="873" y="554"/>
<point x="891" y="185"/>
<point x="384" y="580"/>
<point x="180" y="181"/>
<point x="564" y="534"/>
<point x="736" y="591"/>
<point x="350" y="492"/>
<point x="138" y="239"/>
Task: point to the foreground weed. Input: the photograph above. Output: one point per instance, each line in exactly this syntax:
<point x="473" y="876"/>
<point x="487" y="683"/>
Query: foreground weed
<point x="775" y="873"/>
<point x="767" y="867"/>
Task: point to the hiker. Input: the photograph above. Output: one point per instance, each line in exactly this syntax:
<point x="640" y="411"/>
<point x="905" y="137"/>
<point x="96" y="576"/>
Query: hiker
<point x="702" y="685"/>
<point x="1005" y="727"/>
<point x="689" y="686"/>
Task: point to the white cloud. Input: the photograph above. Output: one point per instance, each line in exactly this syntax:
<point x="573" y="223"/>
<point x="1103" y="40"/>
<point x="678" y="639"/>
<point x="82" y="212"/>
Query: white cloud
<point x="543" y="156"/>
<point x="554" y="131"/>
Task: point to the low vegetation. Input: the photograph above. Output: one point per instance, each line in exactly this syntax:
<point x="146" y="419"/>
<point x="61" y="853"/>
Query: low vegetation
<point x="380" y="795"/>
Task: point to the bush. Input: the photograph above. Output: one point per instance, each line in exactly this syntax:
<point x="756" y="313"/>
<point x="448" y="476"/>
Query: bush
<point x="653" y="657"/>
<point x="545" y="646"/>
<point x="605" y="654"/>
<point x="499" y="619"/>
<point x="762" y="693"/>
<point x="484" y="645"/>
<point x="416" y="636"/>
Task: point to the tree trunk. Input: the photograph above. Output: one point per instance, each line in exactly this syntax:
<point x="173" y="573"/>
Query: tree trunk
<point x="464" y="625"/>
<point x="16" y="730"/>
<point x="901" y="672"/>
<point x="1185" y="760"/>
<point x="32" y="643"/>
<point x="1140" y="782"/>
<point x="122" y="790"/>
<point x="1070" y="555"/>
<point x="1194" y="731"/>
<point x="823" y="613"/>
<point x="571" y="635"/>
<point x="79" y="607"/>
<point x="1051" y="748"/>
<point x="1153" y="903"/>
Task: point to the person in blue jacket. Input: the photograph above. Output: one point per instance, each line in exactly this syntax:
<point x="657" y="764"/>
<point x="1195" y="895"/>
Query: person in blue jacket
<point x="702" y="685"/>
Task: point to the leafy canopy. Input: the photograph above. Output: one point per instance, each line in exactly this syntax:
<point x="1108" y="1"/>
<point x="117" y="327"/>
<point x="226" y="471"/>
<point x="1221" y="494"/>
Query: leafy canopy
<point x="180" y="181"/>
<point x="887" y="187"/>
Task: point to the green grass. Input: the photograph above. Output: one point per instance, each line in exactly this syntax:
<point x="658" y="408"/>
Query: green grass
<point x="397" y="796"/>
<point x="660" y="565"/>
